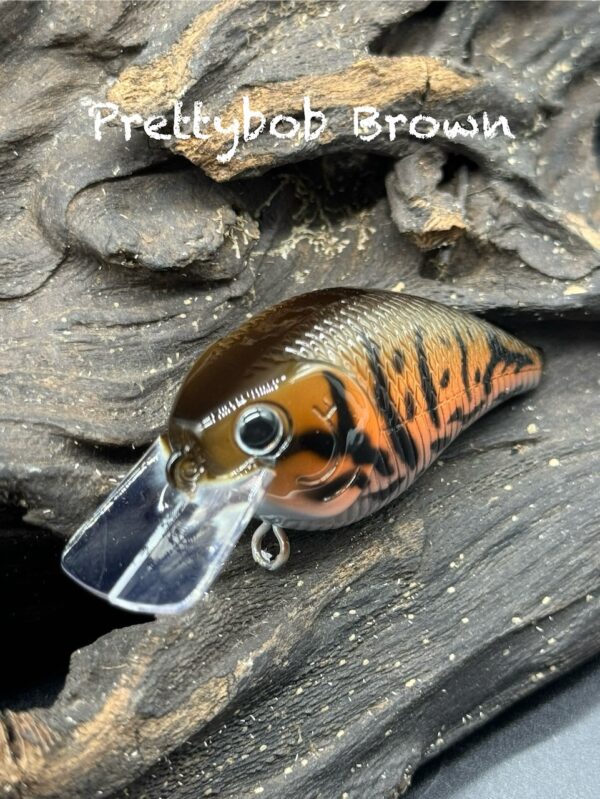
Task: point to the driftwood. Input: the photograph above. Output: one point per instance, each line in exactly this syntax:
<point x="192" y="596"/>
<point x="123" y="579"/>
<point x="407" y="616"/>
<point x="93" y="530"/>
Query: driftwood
<point x="119" y="261"/>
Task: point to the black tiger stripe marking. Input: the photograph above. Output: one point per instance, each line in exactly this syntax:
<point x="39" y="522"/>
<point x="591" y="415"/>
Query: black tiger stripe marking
<point x="345" y="422"/>
<point x="398" y="361"/>
<point x="440" y="444"/>
<point x="319" y="442"/>
<point x="409" y="402"/>
<point x="464" y="364"/>
<point x="382" y="464"/>
<point x="458" y="415"/>
<point x="477" y="375"/>
<point x="429" y="392"/>
<point x="402" y="441"/>
<point x="386" y="493"/>
<point x="445" y="378"/>
<point x="501" y="354"/>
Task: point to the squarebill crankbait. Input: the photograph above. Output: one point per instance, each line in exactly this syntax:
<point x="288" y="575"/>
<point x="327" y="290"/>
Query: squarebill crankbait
<point x="310" y="416"/>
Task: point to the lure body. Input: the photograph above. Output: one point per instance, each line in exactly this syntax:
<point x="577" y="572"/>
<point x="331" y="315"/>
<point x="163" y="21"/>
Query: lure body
<point x="375" y="384"/>
<point x="311" y="415"/>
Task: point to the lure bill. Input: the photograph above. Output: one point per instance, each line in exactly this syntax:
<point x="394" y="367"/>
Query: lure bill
<point x="312" y="415"/>
<point x="154" y="549"/>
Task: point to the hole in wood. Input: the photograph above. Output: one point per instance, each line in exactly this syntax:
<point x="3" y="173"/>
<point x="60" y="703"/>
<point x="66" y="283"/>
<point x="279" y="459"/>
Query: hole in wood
<point x="45" y="616"/>
<point x="455" y="165"/>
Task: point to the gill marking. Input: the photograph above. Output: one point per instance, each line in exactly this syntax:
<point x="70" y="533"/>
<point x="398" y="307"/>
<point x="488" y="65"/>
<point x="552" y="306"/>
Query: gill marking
<point x="334" y="488"/>
<point x="343" y="440"/>
<point x="357" y="444"/>
<point x="330" y="413"/>
<point x="314" y="441"/>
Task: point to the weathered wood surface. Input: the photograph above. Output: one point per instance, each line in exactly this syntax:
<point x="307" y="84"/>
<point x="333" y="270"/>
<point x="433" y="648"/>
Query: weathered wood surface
<point x="381" y="643"/>
<point x="119" y="262"/>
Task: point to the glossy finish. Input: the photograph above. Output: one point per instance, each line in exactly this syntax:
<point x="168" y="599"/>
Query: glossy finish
<point x="373" y="385"/>
<point x="310" y="416"/>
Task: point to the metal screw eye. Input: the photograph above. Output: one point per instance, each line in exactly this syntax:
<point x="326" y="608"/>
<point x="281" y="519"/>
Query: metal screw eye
<point x="183" y="471"/>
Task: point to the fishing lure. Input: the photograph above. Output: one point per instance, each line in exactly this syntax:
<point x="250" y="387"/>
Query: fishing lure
<point x="312" y="415"/>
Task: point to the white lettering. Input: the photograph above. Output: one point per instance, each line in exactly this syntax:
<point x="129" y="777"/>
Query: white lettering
<point x="199" y="119"/>
<point x="179" y="120"/>
<point x="286" y="134"/>
<point x="96" y="112"/>
<point x="399" y="119"/>
<point x="309" y="115"/>
<point x="151" y="126"/>
<point x="248" y="116"/>
<point x="364" y="124"/>
<point x="489" y="131"/>
<point x="234" y="129"/>
<point x="458" y="130"/>
<point x="435" y="126"/>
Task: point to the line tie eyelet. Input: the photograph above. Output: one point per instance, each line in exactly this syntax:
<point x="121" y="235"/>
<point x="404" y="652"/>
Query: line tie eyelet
<point x="261" y="556"/>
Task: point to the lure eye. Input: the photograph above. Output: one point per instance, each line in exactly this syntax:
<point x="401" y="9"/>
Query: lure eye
<point x="259" y="430"/>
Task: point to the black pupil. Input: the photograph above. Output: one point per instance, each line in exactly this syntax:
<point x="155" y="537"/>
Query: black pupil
<point x="259" y="430"/>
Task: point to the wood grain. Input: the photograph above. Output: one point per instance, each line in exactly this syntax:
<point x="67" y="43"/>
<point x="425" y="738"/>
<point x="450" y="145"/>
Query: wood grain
<point x="379" y="646"/>
<point x="119" y="262"/>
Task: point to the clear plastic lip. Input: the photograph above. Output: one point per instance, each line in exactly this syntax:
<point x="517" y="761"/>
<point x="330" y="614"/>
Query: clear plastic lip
<point x="153" y="549"/>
